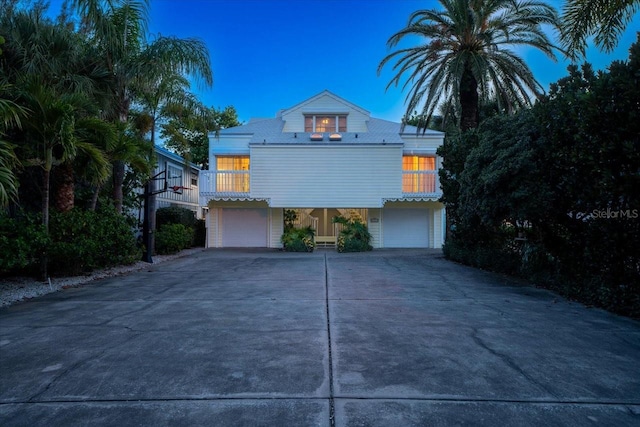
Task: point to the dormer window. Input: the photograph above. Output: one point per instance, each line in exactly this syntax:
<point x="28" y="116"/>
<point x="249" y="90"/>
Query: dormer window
<point x="325" y="123"/>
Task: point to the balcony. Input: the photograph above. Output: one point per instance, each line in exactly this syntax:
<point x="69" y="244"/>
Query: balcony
<point x="223" y="184"/>
<point x="421" y="184"/>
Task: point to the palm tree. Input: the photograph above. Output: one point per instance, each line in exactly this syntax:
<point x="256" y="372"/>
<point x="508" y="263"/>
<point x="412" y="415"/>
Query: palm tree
<point x="10" y="114"/>
<point x="54" y="79"/>
<point x="603" y="19"/>
<point x="118" y="27"/>
<point x="466" y="55"/>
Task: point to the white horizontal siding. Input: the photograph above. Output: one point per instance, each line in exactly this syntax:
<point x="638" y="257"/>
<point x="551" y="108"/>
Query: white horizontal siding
<point x="227" y="145"/>
<point x="424" y="144"/>
<point x="294" y="119"/>
<point x="327" y="176"/>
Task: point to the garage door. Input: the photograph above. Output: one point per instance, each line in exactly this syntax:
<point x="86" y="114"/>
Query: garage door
<point x="244" y="228"/>
<point x="406" y="228"/>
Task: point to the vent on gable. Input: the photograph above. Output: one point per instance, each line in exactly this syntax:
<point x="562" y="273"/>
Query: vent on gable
<point x="316" y="137"/>
<point x="335" y="137"/>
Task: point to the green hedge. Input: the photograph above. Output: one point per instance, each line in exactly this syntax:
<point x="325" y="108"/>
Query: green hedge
<point x="22" y="242"/>
<point x="172" y="238"/>
<point x="183" y="216"/>
<point x="85" y="240"/>
<point x="79" y="241"/>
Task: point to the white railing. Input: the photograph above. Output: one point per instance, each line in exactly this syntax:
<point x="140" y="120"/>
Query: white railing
<point x="420" y="183"/>
<point x="224" y="184"/>
<point x="304" y="220"/>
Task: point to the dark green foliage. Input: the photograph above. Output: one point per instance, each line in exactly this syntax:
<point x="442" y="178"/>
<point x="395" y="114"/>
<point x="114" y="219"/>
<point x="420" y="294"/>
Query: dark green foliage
<point x="354" y="237"/>
<point x="298" y="239"/>
<point x="185" y="217"/>
<point x="85" y="240"/>
<point x="564" y="178"/>
<point x="175" y="215"/>
<point x="79" y="241"/>
<point x="199" y="233"/>
<point x="290" y="216"/>
<point x="172" y="238"/>
<point x="22" y="242"/>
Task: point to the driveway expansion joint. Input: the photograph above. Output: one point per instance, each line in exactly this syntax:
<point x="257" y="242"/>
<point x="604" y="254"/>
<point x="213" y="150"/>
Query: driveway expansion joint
<point x="332" y="410"/>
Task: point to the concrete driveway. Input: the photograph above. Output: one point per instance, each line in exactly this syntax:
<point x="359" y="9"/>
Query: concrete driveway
<point x="264" y="338"/>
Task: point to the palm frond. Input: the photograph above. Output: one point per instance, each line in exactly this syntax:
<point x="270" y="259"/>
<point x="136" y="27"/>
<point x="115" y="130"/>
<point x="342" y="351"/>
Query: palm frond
<point x="466" y="39"/>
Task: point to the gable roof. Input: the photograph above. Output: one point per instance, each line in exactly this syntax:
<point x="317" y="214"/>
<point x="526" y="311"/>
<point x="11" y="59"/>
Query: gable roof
<point x="175" y="157"/>
<point x="321" y="94"/>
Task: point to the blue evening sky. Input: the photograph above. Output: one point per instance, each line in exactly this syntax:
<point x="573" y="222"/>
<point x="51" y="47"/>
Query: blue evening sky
<point x="269" y="55"/>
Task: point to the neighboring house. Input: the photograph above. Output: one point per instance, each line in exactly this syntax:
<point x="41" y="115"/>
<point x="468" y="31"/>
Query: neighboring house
<point x="181" y="177"/>
<point x="323" y="157"/>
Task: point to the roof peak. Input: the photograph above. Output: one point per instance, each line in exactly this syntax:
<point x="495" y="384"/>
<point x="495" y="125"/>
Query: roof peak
<point x="325" y="92"/>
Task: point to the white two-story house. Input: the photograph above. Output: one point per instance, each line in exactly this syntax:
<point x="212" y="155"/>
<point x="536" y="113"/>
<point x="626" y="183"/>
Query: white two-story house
<point x="323" y="157"/>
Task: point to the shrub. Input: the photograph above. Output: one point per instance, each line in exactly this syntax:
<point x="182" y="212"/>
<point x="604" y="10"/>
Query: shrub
<point x="175" y="215"/>
<point x="200" y="233"/>
<point x="185" y="217"/>
<point x="23" y="240"/>
<point x="354" y="236"/>
<point x="172" y="238"/>
<point x="298" y="239"/>
<point x="85" y="240"/>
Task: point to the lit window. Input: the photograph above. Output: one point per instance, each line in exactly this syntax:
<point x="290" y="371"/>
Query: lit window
<point x="233" y="174"/>
<point x="232" y="163"/>
<point x="418" y="174"/>
<point x="325" y="123"/>
<point x="418" y="163"/>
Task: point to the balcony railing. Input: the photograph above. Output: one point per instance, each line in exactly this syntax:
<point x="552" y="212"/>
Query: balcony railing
<point x="224" y="183"/>
<point x="420" y="183"/>
<point x="237" y="184"/>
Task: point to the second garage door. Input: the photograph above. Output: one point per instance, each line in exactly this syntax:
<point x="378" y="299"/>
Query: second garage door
<point x="405" y="228"/>
<point x="244" y="228"/>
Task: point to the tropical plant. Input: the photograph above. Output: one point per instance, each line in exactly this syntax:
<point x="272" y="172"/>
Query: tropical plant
<point x="298" y="239"/>
<point x="466" y="57"/>
<point x="10" y="114"/>
<point x="118" y="28"/>
<point x="553" y="192"/>
<point x="354" y="236"/>
<point x="605" y="20"/>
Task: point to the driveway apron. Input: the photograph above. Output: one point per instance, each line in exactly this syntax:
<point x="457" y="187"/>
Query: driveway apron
<point x="261" y="337"/>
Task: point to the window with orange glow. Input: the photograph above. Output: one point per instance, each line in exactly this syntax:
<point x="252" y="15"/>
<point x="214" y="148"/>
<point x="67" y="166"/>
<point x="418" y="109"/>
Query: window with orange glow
<point x="325" y="123"/>
<point x="418" y="174"/>
<point x="233" y="174"/>
<point x="232" y="163"/>
<point x="418" y="163"/>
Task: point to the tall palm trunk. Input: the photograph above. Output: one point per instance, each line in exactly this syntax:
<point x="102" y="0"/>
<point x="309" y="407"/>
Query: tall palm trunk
<point x="469" y="101"/>
<point x="46" y="184"/>
<point x="118" y="182"/>
<point x="94" y="198"/>
<point x="65" y="187"/>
